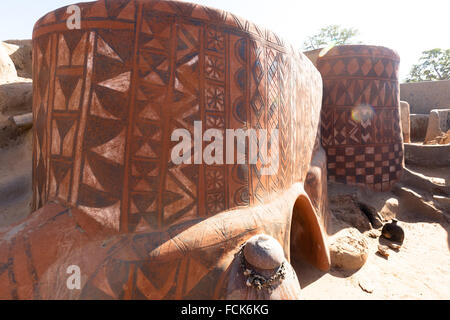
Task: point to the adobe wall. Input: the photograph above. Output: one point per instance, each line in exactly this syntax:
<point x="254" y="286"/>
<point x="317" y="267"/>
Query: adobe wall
<point x="426" y="96"/>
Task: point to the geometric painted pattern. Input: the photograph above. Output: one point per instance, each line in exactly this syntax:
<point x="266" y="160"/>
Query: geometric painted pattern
<point x="108" y="111"/>
<point x="378" y="167"/>
<point x="107" y="99"/>
<point x="360" y="116"/>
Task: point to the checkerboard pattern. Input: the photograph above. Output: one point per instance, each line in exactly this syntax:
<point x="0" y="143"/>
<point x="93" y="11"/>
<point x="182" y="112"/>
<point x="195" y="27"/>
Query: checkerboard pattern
<point x="360" y="122"/>
<point x="377" y="167"/>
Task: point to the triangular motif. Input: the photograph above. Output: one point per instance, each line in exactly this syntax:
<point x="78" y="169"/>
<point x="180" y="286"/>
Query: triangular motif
<point x="64" y="125"/>
<point x="60" y="170"/>
<point x="128" y="13"/>
<point x="68" y="83"/>
<point x="98" y="9"/>
<point x="89" y="178"/>
<point x="98" y="110"/>
<point x="114" y="8"/>
<point x="146" y="151"/>
<point x="104" y="49"/>
<point x="149" y="113"/>
<point x="113" y="150"/>
<point x="143" y="201"/>
<point x="72" y="39"/>
<point x="120" y="83"/>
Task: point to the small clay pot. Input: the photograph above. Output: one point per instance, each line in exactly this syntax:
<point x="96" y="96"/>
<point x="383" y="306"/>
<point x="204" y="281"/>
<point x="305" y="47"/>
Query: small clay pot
<point x="392" y="231"/>
<point x="264" y="252"/>
<point x="262" y="258"/>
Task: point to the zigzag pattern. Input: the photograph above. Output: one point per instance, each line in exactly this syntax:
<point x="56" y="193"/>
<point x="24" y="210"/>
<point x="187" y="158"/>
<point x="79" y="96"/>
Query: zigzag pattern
<point x="326" y="123"/>
<point x="354" y="92"/>
<point x="340" y="127"/>
<point x="273" y="112"/>
<point x="259" y="108"/>
<point x="366" y="130"/>
<point x="285" y="120"/>
<point x="360" y="114"/>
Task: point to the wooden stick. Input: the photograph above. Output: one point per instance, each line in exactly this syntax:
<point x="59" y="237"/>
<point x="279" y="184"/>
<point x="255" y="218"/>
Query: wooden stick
<point x="24" y="120"/>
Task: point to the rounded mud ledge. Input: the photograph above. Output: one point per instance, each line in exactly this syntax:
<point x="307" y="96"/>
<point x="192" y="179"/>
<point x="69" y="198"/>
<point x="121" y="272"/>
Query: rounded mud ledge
<point x="429" y="156"/>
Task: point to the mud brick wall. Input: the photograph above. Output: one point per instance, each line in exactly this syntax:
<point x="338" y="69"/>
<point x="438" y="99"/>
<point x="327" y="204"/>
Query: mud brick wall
<point x="360" y="115"/>
<point x="426" y="96"/>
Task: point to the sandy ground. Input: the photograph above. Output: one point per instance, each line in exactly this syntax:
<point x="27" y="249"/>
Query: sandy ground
<point x="420" y="270"/>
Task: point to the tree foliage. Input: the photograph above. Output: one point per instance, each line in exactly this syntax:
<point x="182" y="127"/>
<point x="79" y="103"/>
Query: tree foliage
<point x="331" y="35"/>
<point x="433" y="65"/>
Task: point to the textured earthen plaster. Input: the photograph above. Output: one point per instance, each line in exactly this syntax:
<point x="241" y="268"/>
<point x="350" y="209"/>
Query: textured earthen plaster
<point x="426" y="96"/>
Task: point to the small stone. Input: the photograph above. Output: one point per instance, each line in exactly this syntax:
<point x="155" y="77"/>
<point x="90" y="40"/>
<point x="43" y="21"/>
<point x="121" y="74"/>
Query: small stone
<point x="390" y="209"/>
<point x="394" y="246"/>
<point x="374" y="234"/>
<point x="366" y="285"/>
<point x="446" y="139"/>
<point x="383" y="250"/>
<point x="348" y="250"/>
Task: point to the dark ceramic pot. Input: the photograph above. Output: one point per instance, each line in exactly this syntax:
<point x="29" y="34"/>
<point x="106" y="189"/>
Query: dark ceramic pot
<point x="393" y="232"/>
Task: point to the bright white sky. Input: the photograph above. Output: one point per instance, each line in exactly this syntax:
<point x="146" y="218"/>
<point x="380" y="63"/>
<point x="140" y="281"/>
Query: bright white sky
<point x="407" y="26"/>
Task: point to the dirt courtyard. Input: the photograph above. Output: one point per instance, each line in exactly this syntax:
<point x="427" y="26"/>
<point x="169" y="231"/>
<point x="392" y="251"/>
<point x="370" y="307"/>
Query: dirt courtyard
<point x="420" y="270"/>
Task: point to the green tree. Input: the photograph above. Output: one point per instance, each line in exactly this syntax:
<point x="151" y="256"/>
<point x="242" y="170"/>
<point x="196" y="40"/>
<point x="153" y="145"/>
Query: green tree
<point x="433" y="65"/>
<point x="331" y="35"/>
